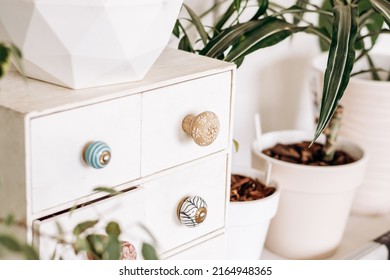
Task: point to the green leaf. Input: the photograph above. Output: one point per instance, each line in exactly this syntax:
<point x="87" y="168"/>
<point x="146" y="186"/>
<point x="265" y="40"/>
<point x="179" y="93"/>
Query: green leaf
<point x="271" y="32"/>
<point x="17" y="55"/>
<point x="239" y="61"/>
<point x="224" y="18"/>
<point x="236" y="145"/>
<point x="176" y="29"/>
<point x="113" y="228"/>
<point x="9" y="220"/>
<point x="113" y="250"/>
<point x="29" y="252"/>
<point x="185" y="44"/>
<point x="301" y="4"/>
<point x="80" y="228"/>
<point x="263" y="6"/>
<point x="149" y="252"/>
<point x="10" y="243"/>
<point x="325" y="24"/>
<point x="198" y="24"/>
<point x="228" y="37"/>
<point x="374" y="26"/>
<point x="5" y="59"/>
<point x="97" y="244"/>
<point x="110" y="191"/>
<point x="340" y="62"/>
<point x="237" y="4"/>
<point x="383" y="7"/>
<point x="369" y="19"/>
<point x="81" y="244"/>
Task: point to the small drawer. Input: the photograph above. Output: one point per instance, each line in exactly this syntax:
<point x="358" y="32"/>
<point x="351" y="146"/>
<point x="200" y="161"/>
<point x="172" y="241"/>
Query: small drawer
<point x="164" y="195"/>
<point x="60" y="173"/>
<point x="127" y="209"/>
<point x="164" y="143"/>
<point x="211" y="249"/>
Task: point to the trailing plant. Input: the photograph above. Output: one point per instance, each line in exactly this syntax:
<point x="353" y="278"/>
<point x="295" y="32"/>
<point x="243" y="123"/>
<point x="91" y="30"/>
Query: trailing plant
<point x="347" y="29"/>
<point x="85" y="238"/>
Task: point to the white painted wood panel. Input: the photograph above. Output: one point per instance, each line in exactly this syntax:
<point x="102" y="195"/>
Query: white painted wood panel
<point x="207" y="180"/>
<point x="164" y="143"/>
<point x="36" y="97"/>
<point x="126" y="209"/>
<point x="212" y="249"/>
<point x="59" y="173"/>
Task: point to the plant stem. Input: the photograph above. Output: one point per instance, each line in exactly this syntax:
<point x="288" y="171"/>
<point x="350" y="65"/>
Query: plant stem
<point x="374" y="73"/>
<point x="331" y="133"/>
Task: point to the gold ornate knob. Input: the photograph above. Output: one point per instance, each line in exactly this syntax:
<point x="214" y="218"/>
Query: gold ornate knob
<point x="192" y="211"/>
<point x="203" y="128"/>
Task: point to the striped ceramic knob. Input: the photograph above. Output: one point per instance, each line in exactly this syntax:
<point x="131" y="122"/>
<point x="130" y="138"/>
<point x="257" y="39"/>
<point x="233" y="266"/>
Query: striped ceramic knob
<point x="192" y="211"/>
<point x="97" y="154"/>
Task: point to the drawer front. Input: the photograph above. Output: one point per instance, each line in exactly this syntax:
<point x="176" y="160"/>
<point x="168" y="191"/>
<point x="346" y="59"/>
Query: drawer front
<point x="127" y="209"/>
<point x="164" y="143"/>
<point x="59" y="172"/>
<point x="212" y="249"/>
<point x="206" y="180"/>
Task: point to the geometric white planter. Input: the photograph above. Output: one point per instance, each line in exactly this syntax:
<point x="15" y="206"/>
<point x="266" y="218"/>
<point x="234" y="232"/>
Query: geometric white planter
<point x="366" y="121"/>
<point x="88" y="43"/>
<point x="315" y="201"/>
<point x="248" y="221"/>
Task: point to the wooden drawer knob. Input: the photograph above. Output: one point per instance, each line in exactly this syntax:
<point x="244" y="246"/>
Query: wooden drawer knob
<point x="192" y="211"/>
<point x="97" y="154"/>
<point x="203" y="128"/>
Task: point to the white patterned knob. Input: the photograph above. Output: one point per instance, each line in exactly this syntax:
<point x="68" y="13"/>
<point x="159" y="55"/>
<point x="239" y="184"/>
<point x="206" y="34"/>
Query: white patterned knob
<point x="128" y="251"/>
<point x="192" y="211"/>
<point x="203" y="128"/>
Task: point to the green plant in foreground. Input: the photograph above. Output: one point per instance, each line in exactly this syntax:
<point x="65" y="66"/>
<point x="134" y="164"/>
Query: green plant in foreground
<point x="86" y="237"/>
<point x="347" y="29"/>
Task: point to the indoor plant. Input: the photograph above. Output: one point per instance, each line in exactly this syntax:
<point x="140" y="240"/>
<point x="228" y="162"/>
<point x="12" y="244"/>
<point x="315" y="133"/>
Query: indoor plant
<point x="366" y="117"/>
<point x="318" y="186"/>
<point x="86" y="241"/>
<point x="341" y="30"/>
<point x="95" y="239"/>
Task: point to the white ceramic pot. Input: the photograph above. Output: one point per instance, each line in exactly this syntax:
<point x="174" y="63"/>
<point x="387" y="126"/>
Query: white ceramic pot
<point x="248" y="221"/>
<point x="315" y="201"/>
<point x="366" y="121"/>
<point x="88" y="43"/>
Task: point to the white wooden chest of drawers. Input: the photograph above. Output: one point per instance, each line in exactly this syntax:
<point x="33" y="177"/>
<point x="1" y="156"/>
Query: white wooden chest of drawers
<point x="45" y="131"/>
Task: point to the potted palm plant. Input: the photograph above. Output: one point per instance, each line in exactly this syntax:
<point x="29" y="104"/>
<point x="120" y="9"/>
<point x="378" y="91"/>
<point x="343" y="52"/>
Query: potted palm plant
<point x="340" y="31"/>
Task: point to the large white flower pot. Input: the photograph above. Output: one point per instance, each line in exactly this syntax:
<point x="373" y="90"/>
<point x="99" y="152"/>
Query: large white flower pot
<point x="366" y="121"/>
<point x="248" y="221"/>
<point x="88" y="43"/>
<point x="315" y="201"/>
